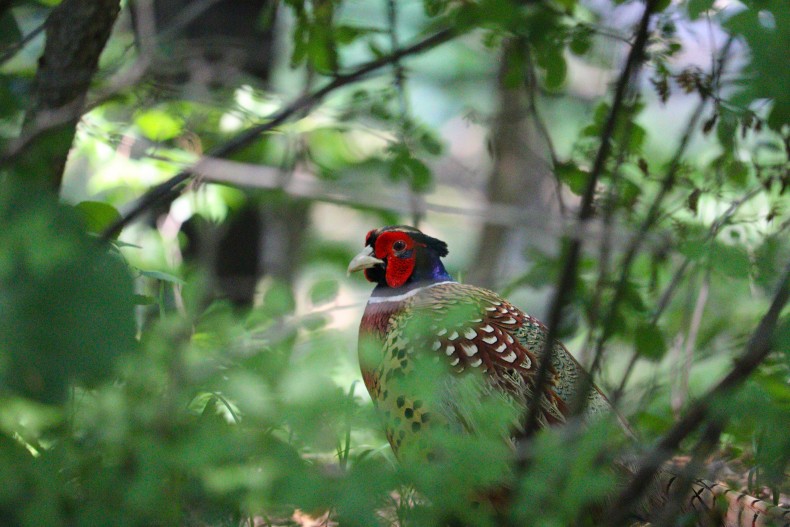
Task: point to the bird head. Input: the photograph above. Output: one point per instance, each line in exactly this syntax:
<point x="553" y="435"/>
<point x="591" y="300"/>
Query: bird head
<point x="399" y="256"/>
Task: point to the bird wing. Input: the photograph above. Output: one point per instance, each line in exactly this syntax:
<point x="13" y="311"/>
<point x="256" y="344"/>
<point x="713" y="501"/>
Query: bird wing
<point x="475" y="329"/>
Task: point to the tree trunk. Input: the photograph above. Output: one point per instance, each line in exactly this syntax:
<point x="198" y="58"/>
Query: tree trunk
<point x="521" y="176"/>
<point x="77" y="31"/>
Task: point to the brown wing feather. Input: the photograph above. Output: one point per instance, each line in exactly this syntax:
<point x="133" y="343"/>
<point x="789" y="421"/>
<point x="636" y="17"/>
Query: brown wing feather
<point x="474" y="328"/>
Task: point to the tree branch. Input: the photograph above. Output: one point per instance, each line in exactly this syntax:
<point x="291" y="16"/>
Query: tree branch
<point x="12" y="50"/>
<point x="674" y="282"/>
<point x="759" y="346"/>
<point x="651" y="218"/>
<point x="586" y="383"/>
<point x="173" y="186"/>
<point x="77" y="31"/>
<point x="567" y="280"/>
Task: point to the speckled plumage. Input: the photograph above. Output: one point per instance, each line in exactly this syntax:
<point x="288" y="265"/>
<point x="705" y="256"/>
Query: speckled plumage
<point x="469" y="345"/>
<point x="467" y="329"/>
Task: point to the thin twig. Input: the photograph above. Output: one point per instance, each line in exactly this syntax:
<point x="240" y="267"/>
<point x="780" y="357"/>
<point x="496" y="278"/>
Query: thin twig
<point x="567" y="280"/>
<point x="417" y="208"/>
<point x="679" y="394"/>
<point x="630" y="255"/>
<point x="12" y="50"/>
<point x="759" y="346"/>
<point x="172" y="187"/>
<point x="652" y="216"/>
<point x="605" y="251"/>
<point x="540" y="124"/>
<point x="669" y="292"/>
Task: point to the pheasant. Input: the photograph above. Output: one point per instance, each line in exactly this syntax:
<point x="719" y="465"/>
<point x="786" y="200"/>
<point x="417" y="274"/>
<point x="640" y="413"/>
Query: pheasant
<point x="419" y="316"/>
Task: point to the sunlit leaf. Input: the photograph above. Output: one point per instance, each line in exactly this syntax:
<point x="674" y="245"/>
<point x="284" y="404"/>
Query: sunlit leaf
<point x="158" y="125"/>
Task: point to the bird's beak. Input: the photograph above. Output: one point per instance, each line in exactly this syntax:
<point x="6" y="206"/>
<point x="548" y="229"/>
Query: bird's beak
<point x="364" y="260"/>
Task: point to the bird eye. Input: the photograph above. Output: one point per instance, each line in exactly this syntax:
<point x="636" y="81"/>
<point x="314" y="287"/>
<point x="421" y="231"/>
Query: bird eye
<point x="399" y="245"/>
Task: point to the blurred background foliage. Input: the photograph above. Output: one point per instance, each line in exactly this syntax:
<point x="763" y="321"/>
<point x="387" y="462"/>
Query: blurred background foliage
<point x="200" y="368"/>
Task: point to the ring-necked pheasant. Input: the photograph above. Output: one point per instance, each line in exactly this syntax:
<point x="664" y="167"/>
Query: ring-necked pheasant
<point x="418" y="315"/>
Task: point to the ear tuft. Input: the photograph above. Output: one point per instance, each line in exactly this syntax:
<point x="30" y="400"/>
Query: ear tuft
<point x="432" y="243"/>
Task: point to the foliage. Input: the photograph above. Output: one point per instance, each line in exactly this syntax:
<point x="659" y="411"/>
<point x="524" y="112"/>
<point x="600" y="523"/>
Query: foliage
<point x="131" y="395"/>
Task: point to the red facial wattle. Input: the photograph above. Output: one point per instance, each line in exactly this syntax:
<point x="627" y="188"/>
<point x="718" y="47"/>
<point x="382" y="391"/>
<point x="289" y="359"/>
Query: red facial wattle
<point x="397" y="249"/>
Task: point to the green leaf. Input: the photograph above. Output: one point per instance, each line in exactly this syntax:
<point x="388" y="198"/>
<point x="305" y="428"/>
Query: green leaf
<point x="581" y="40"/>
<point x="737" y="172"/>
<point x="632" y="297"/>
<point x="97" y="215"/>
<point x="323" y="291"/>
<point x="730" y="260"/>
<point x="697" y="7"/>
<point x="66" y="300"/>
<point x="601" y="113"/>
<point x="158" y="125"/>
<point x="420" y="174"/>
<point x="636" y="138"/>
<point x="434" y="8"/>
<point x="9" y="30"/>
<point x="404" y="166"/>
<point x="764" y="27"/>
<point x="629" y="193"/>
<point x="321" y="50"/>
<point x="515" y="72"/>
<point x="329" y="148"/>
<point x="649" y="341"/>
<point x="769" y="259"/>
<point x="542" y="272"/>
<point x="278" y="300"/>
<point x="574" y="177"/>
<point x="662" y="5"/>
<point x="144" y="300"/>
<point x="725" y="130"/>
<point x="430" y="143"/>
<point x="692" y="240"/>
<point x="551" y="59"/>
<point x="299" y="53"/>
<point x="345" y="34"/>
<point x="781" y="339"/>
<point x="10" y="102"/>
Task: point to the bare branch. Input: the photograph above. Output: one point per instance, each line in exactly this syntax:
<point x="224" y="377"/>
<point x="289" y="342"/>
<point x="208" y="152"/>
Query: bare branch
<point x="680" y="390"/>
<point x="304" y="184"/>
